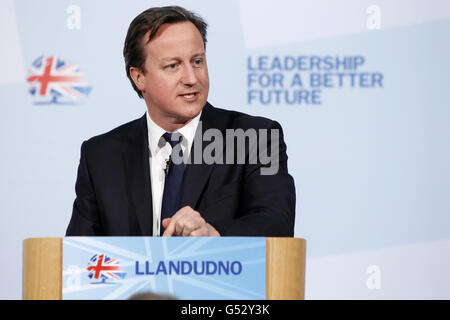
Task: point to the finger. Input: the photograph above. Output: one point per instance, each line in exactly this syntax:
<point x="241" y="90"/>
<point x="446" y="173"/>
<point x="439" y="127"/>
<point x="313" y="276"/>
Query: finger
<point x="200" y="232"/>
<point x="170" y="226"/>
<point x="192" y="224"/>
<point x="170" y="229"/>
<point x="212" y="232"/>
<point x="166" y="222"/>
<point x="179" y="227"/>
<point x="183" y="222"/>
<point x="188" y="223"/>
<point x="189" y="226"/>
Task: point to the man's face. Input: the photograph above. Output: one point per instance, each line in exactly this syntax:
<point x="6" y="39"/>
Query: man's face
<point x="176" y="83"/>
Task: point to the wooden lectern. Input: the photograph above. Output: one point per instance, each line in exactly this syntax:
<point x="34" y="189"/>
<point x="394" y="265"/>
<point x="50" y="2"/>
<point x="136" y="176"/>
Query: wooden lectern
<point x="285" y="269"/>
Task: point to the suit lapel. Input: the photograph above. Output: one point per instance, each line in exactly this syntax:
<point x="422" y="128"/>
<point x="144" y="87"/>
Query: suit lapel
<point x="197" y="173"/>
<point x="137" y="175"/>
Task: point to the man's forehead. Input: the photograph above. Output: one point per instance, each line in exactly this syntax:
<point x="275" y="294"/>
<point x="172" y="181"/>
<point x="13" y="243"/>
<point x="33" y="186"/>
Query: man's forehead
<point x="167" y="30"/>
<point x="175" y="41"/>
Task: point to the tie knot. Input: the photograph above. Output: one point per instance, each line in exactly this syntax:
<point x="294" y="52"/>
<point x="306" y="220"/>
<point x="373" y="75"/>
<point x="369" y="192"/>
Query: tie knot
<point x="173" y="138"/>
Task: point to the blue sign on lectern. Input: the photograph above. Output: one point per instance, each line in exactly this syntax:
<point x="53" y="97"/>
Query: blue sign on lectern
<point x="183" y="268"/>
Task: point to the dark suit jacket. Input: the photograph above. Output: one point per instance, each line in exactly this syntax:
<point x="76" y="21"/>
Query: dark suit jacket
<point x="113" y="189"/>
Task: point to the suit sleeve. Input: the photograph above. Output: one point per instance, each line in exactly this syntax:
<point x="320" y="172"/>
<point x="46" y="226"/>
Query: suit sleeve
<point x="267" y="201"/>
<point x="85" y="219"/>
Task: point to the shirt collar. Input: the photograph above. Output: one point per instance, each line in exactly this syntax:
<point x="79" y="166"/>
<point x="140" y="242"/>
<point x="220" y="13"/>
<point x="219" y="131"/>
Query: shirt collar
<point x="155" y="132"/>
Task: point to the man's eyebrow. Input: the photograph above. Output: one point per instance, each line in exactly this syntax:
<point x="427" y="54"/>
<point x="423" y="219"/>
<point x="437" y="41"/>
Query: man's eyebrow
<point x="200" y="54"/>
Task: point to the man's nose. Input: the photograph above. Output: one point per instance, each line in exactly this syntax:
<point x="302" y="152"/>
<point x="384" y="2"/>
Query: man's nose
<point x="189" y="76"/>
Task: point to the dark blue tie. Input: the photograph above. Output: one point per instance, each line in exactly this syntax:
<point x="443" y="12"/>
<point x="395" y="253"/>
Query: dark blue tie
<point x="174" y="178"/>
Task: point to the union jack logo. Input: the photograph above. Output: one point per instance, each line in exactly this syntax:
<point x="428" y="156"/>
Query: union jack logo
<point x="52" y="81"/>
<point x="103" y="267"/>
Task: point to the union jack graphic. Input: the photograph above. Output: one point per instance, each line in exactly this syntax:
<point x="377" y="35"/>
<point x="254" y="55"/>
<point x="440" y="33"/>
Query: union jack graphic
<point x="104" y="267"/>
<point x="52" y="81"/>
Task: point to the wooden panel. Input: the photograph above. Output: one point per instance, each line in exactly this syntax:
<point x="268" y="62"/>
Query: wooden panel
<point x="285" y="268"/>
<point x="42" y="269"/>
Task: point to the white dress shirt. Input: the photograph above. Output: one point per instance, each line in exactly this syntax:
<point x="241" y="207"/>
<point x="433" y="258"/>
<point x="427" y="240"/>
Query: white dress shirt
<point x="160" y="151"/>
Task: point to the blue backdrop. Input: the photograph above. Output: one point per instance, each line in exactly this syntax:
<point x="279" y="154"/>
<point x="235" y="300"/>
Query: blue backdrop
<point x="360" y="88"/>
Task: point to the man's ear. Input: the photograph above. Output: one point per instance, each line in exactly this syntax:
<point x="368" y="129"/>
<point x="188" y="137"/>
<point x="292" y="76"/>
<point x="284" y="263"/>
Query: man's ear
<point x="138" y="78"/>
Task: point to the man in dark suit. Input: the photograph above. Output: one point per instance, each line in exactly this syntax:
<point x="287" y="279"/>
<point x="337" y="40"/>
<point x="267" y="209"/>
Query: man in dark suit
<point x="129" y="183"/>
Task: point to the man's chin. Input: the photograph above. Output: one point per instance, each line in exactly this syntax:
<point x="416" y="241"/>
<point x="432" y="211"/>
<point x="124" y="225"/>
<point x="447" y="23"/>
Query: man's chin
<point x="190" y="111"/>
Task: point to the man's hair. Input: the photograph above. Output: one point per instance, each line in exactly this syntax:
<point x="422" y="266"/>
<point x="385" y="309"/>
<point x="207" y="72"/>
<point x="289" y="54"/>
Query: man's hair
<point x="152" y="19"/>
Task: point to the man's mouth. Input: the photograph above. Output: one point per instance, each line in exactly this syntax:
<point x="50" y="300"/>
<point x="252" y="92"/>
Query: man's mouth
<point x="190" y="96"/>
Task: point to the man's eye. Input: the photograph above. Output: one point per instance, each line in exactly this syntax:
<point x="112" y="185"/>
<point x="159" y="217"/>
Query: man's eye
<point x="198" y="62"/>
<point x="171" y="66"/>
